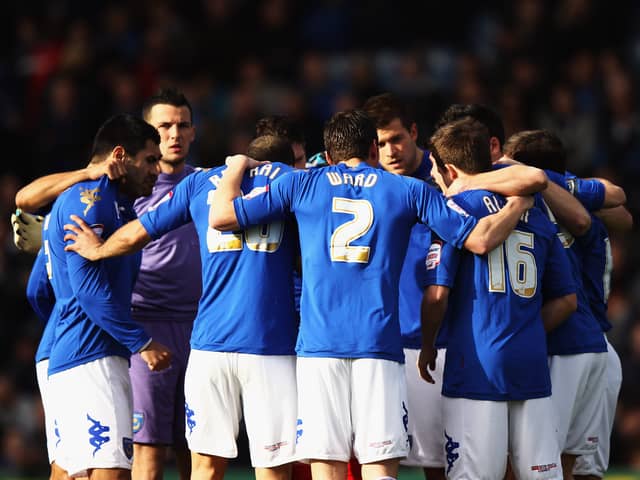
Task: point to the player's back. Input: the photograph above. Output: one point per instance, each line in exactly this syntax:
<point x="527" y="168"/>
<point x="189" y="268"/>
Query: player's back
<point x="351" y="259"/>
<point x="78" y="338"/>
<point x="247" y="283"/>
<point x="496" y="346"/>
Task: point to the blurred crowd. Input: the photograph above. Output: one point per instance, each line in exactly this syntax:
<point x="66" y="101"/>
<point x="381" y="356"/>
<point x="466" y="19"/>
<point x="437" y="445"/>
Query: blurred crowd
<point x="571" y="66"/>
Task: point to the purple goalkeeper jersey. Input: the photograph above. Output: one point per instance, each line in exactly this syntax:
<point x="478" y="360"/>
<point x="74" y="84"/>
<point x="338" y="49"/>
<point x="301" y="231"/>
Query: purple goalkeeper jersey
<point x="170" y="279"/>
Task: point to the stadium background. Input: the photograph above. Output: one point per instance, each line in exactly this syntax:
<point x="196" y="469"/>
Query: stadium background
<point x="571" y="66"/>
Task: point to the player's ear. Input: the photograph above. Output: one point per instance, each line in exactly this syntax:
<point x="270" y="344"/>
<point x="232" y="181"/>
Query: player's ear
<point x="413" y="131"/>
<point x="451" y="171"/>
<point x="118" y="152"/>
<point x="328" y="157"/>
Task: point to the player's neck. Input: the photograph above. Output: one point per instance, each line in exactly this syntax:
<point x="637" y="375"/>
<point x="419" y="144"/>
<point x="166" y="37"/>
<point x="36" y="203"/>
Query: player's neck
<point x="172" y="168"/>
<point x="353" y="162"/>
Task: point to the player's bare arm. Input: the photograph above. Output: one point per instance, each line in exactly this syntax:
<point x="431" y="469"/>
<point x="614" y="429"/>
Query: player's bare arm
<point x="45" y="190"/>
<point x="614" y="195"/>
<point x="516" y="180"/>
<point x="492" y="230"/>
<point x="616" y="219"/>
<point x="569" y="212"/>
<point x="434" y="305"/>
<point x="222" y="214"/>
<point x="557" y="310"/>
<point x="129" y="238"/>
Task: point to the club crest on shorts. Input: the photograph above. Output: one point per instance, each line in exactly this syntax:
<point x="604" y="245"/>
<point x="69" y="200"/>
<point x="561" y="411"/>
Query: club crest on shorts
<point x="127" y="447"/>
<point x="138" y="421"/>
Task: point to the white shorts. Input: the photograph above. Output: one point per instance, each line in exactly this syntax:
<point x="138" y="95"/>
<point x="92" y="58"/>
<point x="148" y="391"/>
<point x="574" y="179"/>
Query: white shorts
<point x="93" y="408"/>
<point x="426" y="441"/>
<point x="222" y="386"/>
<point x="578" y="385"/>
<point x="598" y="463"/>
<point x="352" y="406"/>
<point x="51" y="434"/>
<point x="479" y="434"/>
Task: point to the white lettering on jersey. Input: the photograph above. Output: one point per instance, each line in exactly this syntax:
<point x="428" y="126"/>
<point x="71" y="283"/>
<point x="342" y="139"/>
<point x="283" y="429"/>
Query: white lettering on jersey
<point x="491" y="203"/>
<point x="359" y="180"/>
<point x="265" y="170"/>
<point x="215" y="180"/>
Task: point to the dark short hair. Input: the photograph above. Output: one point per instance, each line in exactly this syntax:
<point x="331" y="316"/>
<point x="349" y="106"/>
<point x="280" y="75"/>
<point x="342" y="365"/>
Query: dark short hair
<point x="483" y="114"/>
<point x="166" y="96"/>
<point x="127" y="131"/>
<point x="386" y="107"/>
<point x="463" y="143"/>
<point x="538" y="148"/>
<point x="280" y="126"/>
<point x="271" y="148"/>
<point x="349" y="134"/>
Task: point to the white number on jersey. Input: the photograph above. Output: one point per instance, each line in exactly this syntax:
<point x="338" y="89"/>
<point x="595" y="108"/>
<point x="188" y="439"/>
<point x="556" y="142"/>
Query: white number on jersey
<point x="341" y="249"/>
<point x="260" y="238"/>
<point x="521" y="264"/>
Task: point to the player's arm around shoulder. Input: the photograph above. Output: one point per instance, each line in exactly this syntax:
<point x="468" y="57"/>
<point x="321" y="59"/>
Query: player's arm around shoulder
<point x="222" y="214"/>
<point x="492" y="230"/>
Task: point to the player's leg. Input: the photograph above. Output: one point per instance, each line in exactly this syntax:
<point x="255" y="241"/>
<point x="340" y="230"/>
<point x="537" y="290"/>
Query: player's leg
<point x="212" y="411"/>
<point x="207" y="467"/>
<point x="183" y="462"/>
<point x="425" y="417"/>
<point x="591" y="467"/>
<point x="328" y="470"/>
<point x="534" y="453"/>
<point x="270" y="412"/>
<point x="148" y="461"/>
<point x="95" y="424"/>
<point x="578" y="394"/>
<point x="158" y="402"/>
<point x="324" y="432"/>
<point x="476" y="438"/>
<point x="380" y="416"/>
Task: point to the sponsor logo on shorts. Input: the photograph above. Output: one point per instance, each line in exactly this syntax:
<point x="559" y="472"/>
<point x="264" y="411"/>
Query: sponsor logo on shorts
<point x="127" y="447"/>
<point x="384" y="443"/>
<point x="592" y="440"/>
<point x="450" y="447"/>
<point x="138" y="421"/>
<point x="543" y="468"/>
<point x="405" y="423"/>
<point x="56" y="432"/>
<point x="189" y="414"/>
<point x="275" y="447"/>
<point x="299" y="430"/>
<point x="96" y="431"/>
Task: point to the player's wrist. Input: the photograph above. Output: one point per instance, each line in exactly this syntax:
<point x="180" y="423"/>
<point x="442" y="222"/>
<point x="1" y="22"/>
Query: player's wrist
<point x="145" y="346"/>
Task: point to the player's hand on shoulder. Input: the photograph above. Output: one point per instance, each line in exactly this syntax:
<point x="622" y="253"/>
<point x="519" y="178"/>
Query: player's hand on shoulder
<point x="243" y="160"/>
<point x="426" y="362"/>
<point x="523" y="202"/>
<point x="157" y="356"/>
<point x="85" y="241"/>
<point x="27" y="231"/>
<point x="112" y="167"/>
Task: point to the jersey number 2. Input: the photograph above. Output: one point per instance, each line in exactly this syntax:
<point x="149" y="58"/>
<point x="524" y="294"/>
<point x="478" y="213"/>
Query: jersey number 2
<point x="340" y="245"/>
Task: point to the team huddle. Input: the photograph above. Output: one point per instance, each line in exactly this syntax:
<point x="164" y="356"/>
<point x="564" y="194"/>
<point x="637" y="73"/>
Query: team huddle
<point x="441" y="308"/>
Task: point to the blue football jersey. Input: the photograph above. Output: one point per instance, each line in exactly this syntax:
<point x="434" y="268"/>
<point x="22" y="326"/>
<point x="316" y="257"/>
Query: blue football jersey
<point x="496" y="344"/>
<point x="413" y="273"/>
<point x="247" y="276"/>
<point x="42" y="299"/>
<point x="594" y="249"/>
<point x="581" y="332"/>
<point x="354" y="225"/>
<point x="93" y="299"/>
